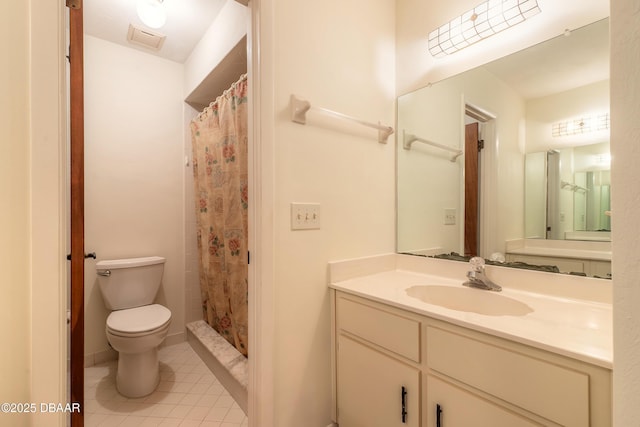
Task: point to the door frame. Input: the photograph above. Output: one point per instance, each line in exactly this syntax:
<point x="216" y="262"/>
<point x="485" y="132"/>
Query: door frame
<point x="76" y="182"/>
<point x="488" y="158"/>
<point x="261" y="235"/>
<point x="261" y="157"/>
<point x="48" y="235"/>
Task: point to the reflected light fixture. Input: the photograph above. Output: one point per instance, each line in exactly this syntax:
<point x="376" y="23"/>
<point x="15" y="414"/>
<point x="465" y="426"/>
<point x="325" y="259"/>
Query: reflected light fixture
<point x="484" y="20"/>
<point x="152" y="13"/>
<point x="581" y="125"/>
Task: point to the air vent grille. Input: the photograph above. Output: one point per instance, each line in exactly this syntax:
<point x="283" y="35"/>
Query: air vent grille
<point x="145" y="38"/>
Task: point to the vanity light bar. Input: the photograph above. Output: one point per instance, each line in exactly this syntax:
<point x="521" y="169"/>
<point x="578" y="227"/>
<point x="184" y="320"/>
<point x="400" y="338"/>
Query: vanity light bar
<point x="581" y="125"/>
<point x="482" y="21"/>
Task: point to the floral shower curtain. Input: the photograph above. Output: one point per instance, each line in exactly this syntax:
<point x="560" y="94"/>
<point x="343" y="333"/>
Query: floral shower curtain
<point x="219" y="140"/>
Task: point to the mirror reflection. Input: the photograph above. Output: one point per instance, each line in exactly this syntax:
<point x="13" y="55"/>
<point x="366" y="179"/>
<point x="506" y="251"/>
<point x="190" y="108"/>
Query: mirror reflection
<point x="510" y="160"/>
<point x="568" y="193"/>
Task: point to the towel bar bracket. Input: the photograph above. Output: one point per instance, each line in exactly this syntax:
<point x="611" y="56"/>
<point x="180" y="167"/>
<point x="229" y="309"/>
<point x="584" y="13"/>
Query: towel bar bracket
<point x="300" y="107"/>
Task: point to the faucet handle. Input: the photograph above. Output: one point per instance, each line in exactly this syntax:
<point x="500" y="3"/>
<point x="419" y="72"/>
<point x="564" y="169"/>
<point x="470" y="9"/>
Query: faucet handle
<point x="477" y="263"/>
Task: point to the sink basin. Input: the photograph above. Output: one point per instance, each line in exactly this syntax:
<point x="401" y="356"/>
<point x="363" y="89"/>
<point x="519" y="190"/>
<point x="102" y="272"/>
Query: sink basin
<point x="470" y="300"/>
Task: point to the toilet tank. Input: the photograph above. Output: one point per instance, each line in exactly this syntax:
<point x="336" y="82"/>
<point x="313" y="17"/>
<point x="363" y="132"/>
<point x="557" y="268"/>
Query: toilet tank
<point x="128" y="283"/>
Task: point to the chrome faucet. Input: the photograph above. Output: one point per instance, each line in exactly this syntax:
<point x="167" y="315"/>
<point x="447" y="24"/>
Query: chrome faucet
<point x="477" y="277"/>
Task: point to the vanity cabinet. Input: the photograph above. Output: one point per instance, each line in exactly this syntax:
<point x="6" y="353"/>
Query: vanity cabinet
<point x="378" y="371"/>
<point x="453" y="376"/>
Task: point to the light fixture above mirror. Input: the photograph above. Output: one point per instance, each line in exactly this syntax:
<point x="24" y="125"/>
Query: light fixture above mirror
<point x="484" y="20"/>
<point x="581" y="125"/>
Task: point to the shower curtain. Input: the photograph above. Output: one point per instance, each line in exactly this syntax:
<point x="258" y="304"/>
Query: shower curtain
<point x="219" y="140"/>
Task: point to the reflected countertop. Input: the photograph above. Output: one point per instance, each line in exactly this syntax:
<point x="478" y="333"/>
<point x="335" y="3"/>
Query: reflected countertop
<point x="574" y="327"/>
<point x="591" y="250"/>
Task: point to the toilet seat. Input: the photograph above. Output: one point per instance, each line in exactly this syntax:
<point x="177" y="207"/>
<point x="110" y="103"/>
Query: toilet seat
<point x="138" y="321"/>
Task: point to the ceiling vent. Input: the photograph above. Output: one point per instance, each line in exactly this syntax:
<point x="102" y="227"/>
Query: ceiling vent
<point x="145" y="38"/>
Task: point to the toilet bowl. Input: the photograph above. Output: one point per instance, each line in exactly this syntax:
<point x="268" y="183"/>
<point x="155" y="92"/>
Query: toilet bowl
<point x="136" y="333"/>
<point x="136" y="327"/>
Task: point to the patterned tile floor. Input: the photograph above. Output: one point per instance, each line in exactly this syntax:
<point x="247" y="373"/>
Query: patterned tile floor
<point x="188" y="395"/>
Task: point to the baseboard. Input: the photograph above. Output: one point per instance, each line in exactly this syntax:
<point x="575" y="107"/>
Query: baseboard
<point x="176" y="338"/>
<point x="100" y="357"/>
<point x="110" y="354"/>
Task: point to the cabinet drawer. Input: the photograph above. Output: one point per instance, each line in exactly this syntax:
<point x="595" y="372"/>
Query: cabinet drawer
<point x="549" y="390"/>
<point x="395" y="333"/>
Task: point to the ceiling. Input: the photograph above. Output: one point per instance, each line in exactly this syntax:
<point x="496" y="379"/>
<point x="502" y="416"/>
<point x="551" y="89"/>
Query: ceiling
<point x="187" y="21"/>
<point x="566" y="62"/>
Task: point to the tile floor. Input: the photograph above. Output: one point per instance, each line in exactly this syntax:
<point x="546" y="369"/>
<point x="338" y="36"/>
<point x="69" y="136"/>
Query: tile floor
<point x="188" y="395"/>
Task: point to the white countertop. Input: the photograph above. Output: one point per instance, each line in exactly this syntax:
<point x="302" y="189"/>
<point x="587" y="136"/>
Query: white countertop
<point x="592" y="250"/>
<point x="577" y="328"/>
<point x="562" y="253"/>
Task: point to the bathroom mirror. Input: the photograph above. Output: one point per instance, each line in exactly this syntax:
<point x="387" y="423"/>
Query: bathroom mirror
<point x="512" y="112"/>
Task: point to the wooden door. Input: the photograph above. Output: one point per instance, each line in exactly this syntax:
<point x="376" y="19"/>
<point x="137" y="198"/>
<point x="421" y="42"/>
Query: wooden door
<point x="77" y="207"/>
<point x="471" y="198"/>
<point x="370" y="388"/>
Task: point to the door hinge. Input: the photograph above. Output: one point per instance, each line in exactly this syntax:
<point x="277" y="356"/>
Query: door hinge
<point x="480" y="145"/>
<point x="248" y="257"/>
<point x="74" y="4"/>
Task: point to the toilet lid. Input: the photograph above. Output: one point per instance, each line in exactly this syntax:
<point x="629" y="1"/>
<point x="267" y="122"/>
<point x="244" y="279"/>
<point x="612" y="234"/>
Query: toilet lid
<point x="139" y="319"/>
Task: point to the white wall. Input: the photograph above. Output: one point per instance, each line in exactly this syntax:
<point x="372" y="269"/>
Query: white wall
<point x="543" y="112"/>
<point x="625" y="110"/>
<point x="15" y="306"/>
<point x="428" y="182"/>
<point x="133" y="172"/>
<point x="338" y="55"/>
<point x="48" y="209"/>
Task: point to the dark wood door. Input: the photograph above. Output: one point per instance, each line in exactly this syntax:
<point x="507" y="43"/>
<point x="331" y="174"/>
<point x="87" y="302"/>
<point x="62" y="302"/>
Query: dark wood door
<point x="77" y="207"/>
<point x="471" y="197"/>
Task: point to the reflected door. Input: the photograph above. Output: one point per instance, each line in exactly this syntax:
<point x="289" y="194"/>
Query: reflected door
<point x="471" y="193"/>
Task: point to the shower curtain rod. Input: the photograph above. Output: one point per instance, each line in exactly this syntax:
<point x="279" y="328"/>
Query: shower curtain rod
<point x="408" y="139"/>
<point x="299" y="108"/>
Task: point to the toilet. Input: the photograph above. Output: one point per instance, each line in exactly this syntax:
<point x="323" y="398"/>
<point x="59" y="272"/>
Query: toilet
<point x="136" y="326"/>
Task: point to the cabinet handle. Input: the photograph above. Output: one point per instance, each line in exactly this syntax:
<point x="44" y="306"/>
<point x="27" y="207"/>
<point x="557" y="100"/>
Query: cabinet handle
<point x="404" y="405"/>
<point x="438" y="415"/>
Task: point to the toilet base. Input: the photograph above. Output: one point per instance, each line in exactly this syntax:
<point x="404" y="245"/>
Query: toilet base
<point x="138" y="373"/>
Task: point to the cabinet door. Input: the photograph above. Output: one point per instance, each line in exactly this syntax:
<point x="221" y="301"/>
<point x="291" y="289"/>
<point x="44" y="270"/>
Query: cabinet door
<point x="460" y="408"/>
<point x="600" y="268"/>
<point x="370" y="388"/>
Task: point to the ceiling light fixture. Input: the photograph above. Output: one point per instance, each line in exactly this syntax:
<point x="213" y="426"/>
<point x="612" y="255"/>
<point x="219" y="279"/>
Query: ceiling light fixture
<point x="484" y="20"/>
<point x="152" y="13"/>
<point x="581" y="125"/>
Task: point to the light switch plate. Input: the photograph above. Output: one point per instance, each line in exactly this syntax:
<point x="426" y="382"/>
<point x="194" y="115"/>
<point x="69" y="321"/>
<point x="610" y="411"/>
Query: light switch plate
<point x="450" y="216"/>
<point x="305" y="216"/>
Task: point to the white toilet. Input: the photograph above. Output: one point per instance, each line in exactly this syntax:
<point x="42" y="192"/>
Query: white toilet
<point x="136" y="327"/>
